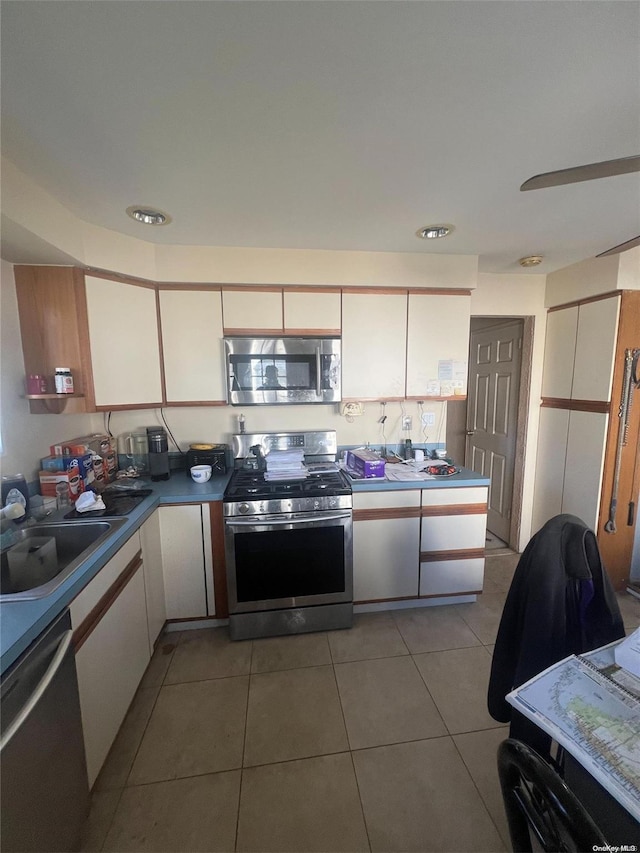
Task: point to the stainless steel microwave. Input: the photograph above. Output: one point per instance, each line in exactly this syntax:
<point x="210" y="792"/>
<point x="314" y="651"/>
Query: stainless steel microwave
<point x="271" y="371"/>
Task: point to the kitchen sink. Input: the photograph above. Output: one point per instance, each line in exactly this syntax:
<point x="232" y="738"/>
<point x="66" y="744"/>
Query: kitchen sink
<point x="34" y="568"/>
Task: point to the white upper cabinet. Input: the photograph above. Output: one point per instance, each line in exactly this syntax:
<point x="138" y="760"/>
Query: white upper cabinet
<point x="310" y="312"/>
<point x="374" y="345"/>
<point x="124" y="342"/>
<point x="595" y="349"/>
<point x="248" y="310"/>
<point x="559" y="353"/>
<point x="438" y="331"/>
<point x="192" y="348"/>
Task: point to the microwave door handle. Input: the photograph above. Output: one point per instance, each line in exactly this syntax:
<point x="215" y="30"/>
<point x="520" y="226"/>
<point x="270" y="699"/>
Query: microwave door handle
<point x="318" y="373"/>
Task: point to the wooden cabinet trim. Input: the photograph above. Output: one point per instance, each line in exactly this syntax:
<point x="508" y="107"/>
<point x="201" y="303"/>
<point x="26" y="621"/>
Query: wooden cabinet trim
<point x="90" y="623"/>
<point x="163" y="383"/>
<point x="177" y="285"/>
<point x="114" y="276"/>
<point x="191" y="403"/>
<point x="262" y="333"/>
<point x="386" y="513"/>
<point x="311" y="288"/>
<point x="462" y="554"/>
<point x="454" y="509"/>
<point x="577" y="302"/>
<point x="438" y="291"/>
<point x="600" y="406"/>
<point x="423" y="291"/>
<point x="247" y="288"/>
<point x="311" y="333"/>
<point x="219" y="560"/>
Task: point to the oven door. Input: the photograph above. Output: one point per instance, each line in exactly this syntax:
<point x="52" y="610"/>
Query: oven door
<point x="292" y="560"/>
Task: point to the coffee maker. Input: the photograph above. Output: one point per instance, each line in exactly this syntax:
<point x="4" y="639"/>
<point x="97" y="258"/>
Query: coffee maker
<point x="158" y="453"/>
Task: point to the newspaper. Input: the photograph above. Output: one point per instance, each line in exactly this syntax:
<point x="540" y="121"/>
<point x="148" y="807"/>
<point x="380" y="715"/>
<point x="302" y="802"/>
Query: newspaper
<point x="592" y="708"/>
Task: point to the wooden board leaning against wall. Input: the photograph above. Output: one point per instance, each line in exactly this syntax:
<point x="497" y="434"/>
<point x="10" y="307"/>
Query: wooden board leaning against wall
<point x="617" y="547"/>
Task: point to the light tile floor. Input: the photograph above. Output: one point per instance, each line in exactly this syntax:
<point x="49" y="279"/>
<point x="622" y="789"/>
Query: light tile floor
<point x="372" y="739"/>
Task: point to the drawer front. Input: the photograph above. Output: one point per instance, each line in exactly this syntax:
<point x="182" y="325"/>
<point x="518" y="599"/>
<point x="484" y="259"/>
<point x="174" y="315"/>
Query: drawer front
<point x="451" y="577"/>
<point x="106" y="577"/>
<point x="383" y="500"/>
<point x="450" y="497"/>
<point x="453" y="533"/>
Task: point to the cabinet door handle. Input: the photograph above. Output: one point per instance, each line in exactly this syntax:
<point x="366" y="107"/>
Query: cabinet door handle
<point x="471" y="432"/>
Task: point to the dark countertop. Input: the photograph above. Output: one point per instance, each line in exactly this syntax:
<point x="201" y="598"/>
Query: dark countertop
<point x="22" y="621"/>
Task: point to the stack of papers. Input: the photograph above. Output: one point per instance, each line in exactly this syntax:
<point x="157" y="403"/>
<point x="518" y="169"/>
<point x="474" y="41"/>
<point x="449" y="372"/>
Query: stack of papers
<point x="627" y="653"/>
<point x="285" y="465"/>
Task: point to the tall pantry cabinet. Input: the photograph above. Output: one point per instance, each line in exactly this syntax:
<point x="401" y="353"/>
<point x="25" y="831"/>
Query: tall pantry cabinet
<point x="580" y="424"/>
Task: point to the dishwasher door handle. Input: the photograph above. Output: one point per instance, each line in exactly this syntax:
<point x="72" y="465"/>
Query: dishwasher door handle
<point x="47" y="678"/>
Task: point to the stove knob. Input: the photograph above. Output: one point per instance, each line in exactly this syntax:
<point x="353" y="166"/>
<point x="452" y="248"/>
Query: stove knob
<point x="244" y="508"/>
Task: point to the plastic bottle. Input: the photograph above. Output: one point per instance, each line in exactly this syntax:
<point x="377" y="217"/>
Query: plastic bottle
<point x="64" y="380"/>
<point x="63" y="495"/>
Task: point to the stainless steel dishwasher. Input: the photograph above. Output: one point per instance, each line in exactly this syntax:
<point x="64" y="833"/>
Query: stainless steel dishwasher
<point x="44" y="792"/>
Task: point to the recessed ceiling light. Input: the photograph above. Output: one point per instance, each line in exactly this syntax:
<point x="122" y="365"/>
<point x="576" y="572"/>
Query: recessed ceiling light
<point x="148" y="216"/>
<point x="433" y="232"/>
<point x="531" y="261"/>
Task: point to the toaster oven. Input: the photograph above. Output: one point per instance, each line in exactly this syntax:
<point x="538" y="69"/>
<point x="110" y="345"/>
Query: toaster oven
<point x="214" y="455"/>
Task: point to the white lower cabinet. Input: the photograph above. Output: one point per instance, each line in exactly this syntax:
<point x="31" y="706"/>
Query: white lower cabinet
<point x="411" y="544"/>
<point x="109" y="619"/>
<point x="153" y="576"/>
<point x="185" y="535"/>
<point x="452" y="541"/>
<point x="386" y="545"/>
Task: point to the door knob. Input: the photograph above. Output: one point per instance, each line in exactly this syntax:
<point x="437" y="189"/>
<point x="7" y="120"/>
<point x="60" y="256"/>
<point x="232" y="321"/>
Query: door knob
<point x="471" y="432"/>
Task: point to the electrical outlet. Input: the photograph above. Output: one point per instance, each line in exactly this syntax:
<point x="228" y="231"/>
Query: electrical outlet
<point x="407" y="420"/>
<point x="428" y="419"/>
<point x="352" y="410"/>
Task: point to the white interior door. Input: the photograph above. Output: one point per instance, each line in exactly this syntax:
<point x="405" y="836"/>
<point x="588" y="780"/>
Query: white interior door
<point x="492" y="413"/>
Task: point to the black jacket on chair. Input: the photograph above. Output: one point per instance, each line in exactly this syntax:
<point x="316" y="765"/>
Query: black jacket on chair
<point x="560" y="603"/>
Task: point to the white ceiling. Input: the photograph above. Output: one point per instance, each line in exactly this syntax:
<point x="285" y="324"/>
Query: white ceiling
<point x="331" y="125"/>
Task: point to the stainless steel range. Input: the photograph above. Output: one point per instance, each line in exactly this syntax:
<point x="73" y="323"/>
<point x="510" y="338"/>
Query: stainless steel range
<point x="288" y="536"/>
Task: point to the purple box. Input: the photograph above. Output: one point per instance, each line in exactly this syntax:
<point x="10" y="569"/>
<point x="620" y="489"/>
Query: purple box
<point x="365" y="463"/>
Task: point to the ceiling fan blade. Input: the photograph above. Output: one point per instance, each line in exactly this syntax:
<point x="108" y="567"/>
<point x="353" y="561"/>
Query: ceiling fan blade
<point x="630" y="244"/>
<point x="589" y="172"/>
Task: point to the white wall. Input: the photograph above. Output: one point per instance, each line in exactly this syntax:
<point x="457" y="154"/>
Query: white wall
<point x="217" y="423"/>
<point x="520" y="296"/>
<point x="594" y="276"/>
<point x="25" y="437"/>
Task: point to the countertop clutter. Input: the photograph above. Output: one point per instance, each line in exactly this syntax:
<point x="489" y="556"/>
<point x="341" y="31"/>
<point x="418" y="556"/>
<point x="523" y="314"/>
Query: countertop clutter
<point x="21" y="622"/>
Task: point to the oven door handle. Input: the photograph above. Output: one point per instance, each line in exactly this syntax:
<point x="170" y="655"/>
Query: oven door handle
<point x="272" y="522"/>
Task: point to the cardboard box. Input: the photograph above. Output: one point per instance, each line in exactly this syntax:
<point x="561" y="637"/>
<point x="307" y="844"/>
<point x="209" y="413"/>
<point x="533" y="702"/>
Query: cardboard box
<point x="365" y="463"/>
<point x="99" y="443"/>
<point x="83" y="463"/>
<point x="50" y="479"/>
